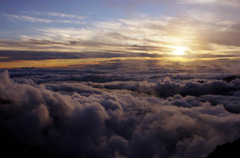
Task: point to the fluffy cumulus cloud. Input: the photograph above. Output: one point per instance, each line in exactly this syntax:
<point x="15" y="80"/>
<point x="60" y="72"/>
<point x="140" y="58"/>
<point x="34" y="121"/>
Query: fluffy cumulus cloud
<point x="152" y="116"/>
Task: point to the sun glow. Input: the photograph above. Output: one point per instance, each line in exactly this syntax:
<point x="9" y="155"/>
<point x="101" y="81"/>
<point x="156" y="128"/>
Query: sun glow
<point x="179" y="50"/>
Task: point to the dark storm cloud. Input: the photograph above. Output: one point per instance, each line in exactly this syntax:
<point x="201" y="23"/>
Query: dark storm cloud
<point x="80" y="120"/>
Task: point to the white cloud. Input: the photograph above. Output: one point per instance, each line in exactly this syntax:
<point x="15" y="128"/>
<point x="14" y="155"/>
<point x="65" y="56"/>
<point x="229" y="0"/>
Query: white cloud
<point x="29" y="19"/>
<point x="40" y="20"/>
<point x="54" y="14"/>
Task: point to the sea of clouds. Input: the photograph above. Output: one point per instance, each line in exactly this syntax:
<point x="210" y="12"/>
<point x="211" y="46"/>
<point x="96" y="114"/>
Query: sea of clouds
<point x="121" y="109"/>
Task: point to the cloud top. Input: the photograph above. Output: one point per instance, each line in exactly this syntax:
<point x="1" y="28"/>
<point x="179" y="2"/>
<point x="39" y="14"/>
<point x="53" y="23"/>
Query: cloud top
<point x="85" y="120"/>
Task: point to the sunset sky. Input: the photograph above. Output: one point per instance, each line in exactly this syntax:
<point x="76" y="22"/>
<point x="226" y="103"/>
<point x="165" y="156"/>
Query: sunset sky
<point x="169" y="29"/>
<point x="119" y="78"/>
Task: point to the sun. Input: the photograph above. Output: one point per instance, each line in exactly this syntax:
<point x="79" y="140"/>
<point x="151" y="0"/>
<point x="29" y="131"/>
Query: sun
<point x="179" y="50"/>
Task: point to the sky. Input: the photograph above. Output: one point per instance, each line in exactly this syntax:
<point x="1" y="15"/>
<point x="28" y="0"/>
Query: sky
<point x="120" y="78"/>
<point x="173" y="29"/>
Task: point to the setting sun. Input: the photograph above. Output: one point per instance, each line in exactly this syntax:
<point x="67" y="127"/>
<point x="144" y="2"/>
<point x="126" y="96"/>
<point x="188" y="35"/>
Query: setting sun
<point x="120" y="78"/>
<point x="179" y="50"/>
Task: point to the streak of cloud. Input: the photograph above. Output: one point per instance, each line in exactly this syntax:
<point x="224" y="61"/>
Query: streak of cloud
<point x="54" y="14"/>
<point x="26" y="18"/>
<point x="232" y="3"/>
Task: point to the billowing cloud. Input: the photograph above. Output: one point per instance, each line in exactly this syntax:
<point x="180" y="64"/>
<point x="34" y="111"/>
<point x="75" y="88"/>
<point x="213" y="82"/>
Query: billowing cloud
<point x="136" y="116"/>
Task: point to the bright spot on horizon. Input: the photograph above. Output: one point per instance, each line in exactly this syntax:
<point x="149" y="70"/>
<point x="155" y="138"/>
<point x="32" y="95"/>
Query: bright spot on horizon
<point x="179" y="50"/>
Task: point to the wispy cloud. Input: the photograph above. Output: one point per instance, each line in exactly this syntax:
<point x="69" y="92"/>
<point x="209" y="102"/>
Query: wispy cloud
<point x="54" y="14"/>
<point x="233" y="3"/>
<point x="149" y="35"/>
<point x="28" y="18"/>
<point x="40" y="20"/>
<point x="200" y="31"/>
<point x="123" y="34"/>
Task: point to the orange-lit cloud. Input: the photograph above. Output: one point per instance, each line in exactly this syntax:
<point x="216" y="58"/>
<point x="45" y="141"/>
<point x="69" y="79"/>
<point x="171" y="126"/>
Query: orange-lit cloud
<point x="152" y="35"/>
<point x="200" y="31"/>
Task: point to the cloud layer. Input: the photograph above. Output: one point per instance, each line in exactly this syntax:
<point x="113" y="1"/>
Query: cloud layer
<point x="81" y="112"/>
